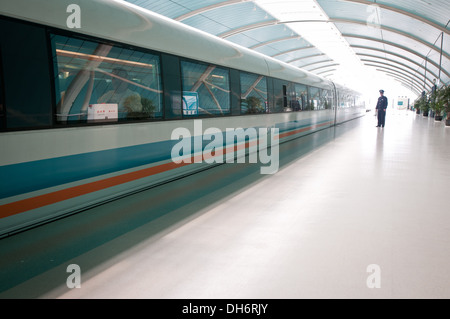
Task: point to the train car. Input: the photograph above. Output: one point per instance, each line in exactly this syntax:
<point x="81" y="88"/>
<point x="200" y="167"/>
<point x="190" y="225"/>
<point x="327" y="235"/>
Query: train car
<point x="91" y="94"/>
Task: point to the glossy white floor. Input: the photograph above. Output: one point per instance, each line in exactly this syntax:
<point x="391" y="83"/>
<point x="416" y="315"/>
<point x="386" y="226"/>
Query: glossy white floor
<point x="365" y="216"/>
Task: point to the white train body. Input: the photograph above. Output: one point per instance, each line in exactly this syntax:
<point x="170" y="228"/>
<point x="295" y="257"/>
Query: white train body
<point x="56" y="162"/>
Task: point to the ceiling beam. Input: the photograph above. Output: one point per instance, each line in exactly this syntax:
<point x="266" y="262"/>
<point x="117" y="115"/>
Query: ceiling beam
<point x="293" y="50"/>
<point x="209" y="8"/>
<point x="403" y="12"/>
<point x="403" y="81"/>
<point x="411" y="88"/>
<point x="403" y="58"/>
<point x="306" y="57"/>
<point x="322" y="67"/>
<point x="413" y="73"/>
<point x="400" y="75"/>
<point x="422" y="57"/>
<point x="247" y="28"/>
<point x="364" y="23"/>
<point x="394" y="68"/>
<point x="309" y="64"/>
<point x="322" y="73"/>
<point x="261" y="44"/>
<point x="438" y="50"/>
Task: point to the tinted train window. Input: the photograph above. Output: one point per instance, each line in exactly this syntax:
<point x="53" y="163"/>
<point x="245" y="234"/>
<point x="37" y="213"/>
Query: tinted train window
<point x="26" y="77"/>
<point x="314" y="98"/>
<point x="206" y="89"/>
<point x="253" y="93"/>
<point x="293" y="103"/>
<point x="280" y="96"/>
<point x="345" y="100"/>
<point x="301" y="96"/>
<point x="98" y="82"/>
<point x="328" y="99"/>
<point x="2" y="103"/>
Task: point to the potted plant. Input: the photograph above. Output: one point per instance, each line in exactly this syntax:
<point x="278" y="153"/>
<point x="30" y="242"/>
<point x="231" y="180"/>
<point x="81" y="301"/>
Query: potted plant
<point x="148" y="109"/>
<point x="417" y="106"/>
<point x="438" y="104"/>
<point x="443" y="97"/>
<point x="254" y="105"/>
<point x="424" y="106"/>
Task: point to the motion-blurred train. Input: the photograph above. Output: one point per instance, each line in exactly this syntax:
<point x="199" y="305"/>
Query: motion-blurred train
<point x="90" y="95"/>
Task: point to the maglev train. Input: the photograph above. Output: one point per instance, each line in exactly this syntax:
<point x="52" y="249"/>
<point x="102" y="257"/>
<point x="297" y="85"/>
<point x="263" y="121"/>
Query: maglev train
<point x="92" y="91"/>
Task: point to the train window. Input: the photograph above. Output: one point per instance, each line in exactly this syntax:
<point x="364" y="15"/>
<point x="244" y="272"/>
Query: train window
<point x="98" y="82"/>
<point x="279" y="96"/>
<point x="345" y="100"/>
<point x="285" y="98"/>
<point x="206" y="89"/>
<point x="292" y="103"/>
<point x="314" y="98"/>
<point x="2" y="103"/>
<point x="327" y="99"/>
<point x="253" y="93"/>
<point x="301" y="97"/>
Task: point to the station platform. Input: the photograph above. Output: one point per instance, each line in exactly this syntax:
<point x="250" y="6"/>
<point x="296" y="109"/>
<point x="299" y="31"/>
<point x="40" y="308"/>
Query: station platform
<point x="354" y="211"/>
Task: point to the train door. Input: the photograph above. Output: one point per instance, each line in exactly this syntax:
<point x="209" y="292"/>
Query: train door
<point x="336" y="102"/>
<point x="2" y="96"/>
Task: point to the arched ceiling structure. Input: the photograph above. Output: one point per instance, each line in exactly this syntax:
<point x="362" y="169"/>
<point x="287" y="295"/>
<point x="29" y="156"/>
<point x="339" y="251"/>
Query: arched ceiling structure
<point x="406" y="40"/>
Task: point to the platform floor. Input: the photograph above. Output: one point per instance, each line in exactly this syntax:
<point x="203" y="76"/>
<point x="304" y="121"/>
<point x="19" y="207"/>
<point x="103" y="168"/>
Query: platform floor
<point x="364" y="196"/>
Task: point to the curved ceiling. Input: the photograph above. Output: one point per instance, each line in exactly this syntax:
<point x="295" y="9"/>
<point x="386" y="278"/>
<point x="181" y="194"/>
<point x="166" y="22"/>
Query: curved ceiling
<point x="406" y="40"/>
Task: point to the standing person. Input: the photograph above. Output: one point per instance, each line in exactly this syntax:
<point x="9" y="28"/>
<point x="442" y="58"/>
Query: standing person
<point x="381" y="109"/>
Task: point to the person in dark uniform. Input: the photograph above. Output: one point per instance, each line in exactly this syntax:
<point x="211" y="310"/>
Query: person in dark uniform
<point x="381" y="109"/>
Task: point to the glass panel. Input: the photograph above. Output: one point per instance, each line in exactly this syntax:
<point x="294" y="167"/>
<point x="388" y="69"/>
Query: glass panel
<point x="346" y="100"/>
<point x="327" y="99"/>
<point x="291" y="95"/>
<point x="253" y="93"/>
<point x="279" y="96"/>
<point x="2" y="103"/>
<point x="314" y="98"/>
<point x="100" y="82"/>
<point x="206" y="89"/>
<point x="301" y="96"/>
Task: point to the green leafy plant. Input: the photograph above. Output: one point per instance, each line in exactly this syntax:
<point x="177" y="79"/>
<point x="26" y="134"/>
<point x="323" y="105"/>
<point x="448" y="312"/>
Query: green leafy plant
<point x="254" y="105"/>
<point x="443" y="100"/>
<point x="417" y="106"/>
<point x="148" y="107"/>
<point x="148" y="110"/>
<point x="443" y="97"/>
<point x="424" y="105"/>
<point x="437" y="104"/>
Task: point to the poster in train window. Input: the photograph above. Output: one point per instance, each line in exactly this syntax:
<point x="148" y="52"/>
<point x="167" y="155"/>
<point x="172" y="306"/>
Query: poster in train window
<point x="211" y="83"/>
<point x="190" y="103"/>
<point x="93" y="73"/>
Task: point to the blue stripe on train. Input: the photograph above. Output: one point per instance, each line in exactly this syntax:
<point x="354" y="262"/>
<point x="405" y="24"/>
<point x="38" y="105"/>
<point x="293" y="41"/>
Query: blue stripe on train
<point x="26" y="177"/>
<point x="22" y="178"/>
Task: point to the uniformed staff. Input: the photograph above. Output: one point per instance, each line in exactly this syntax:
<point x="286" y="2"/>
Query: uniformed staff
<point x="381" y="109"/>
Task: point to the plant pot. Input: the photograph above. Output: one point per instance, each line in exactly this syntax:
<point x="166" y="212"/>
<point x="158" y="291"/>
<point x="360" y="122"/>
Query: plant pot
<point x="425" y="113"/>
<point x="438" y="118"/>
<point x="447" y="122"/>
<point x="417" y="111"/>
